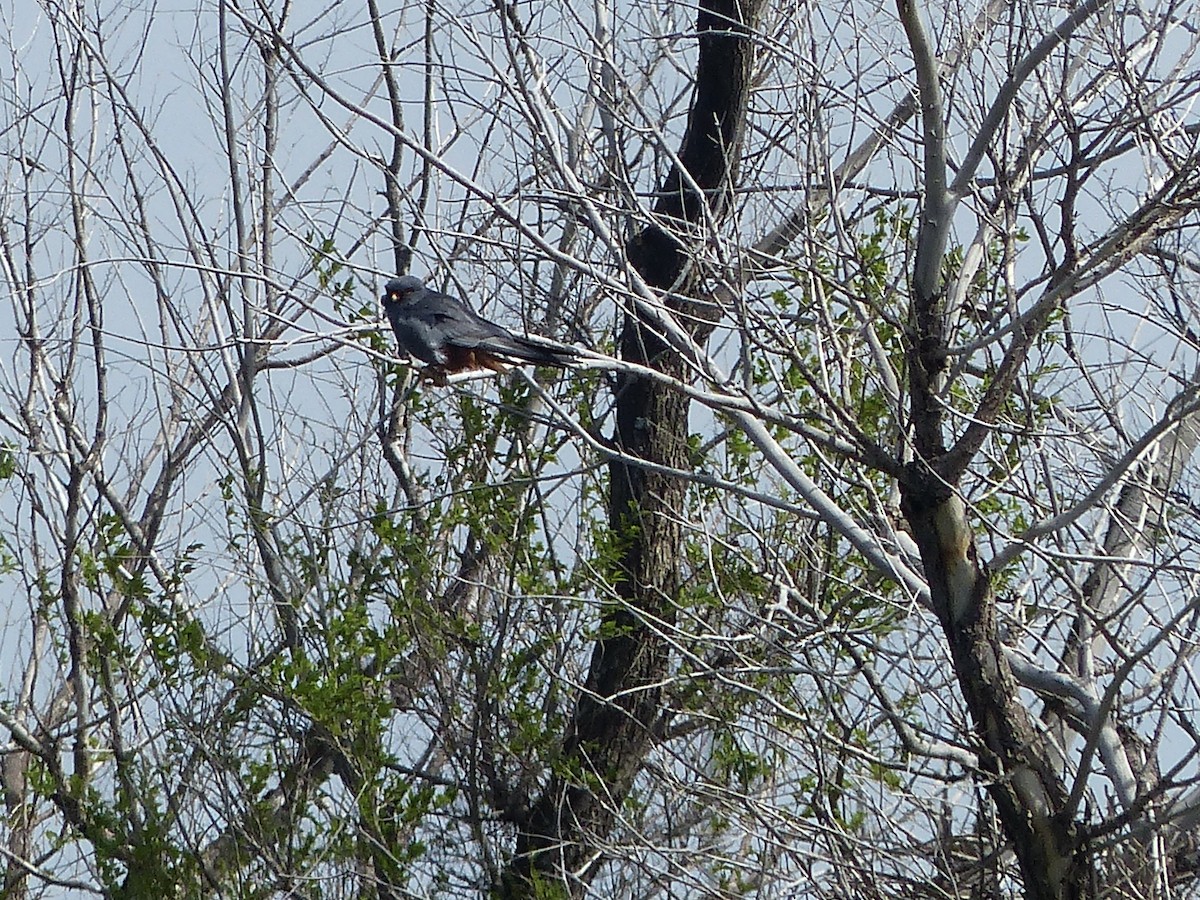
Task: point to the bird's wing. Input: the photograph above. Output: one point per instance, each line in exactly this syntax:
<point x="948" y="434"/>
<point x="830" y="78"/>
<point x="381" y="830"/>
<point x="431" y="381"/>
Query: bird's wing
<point x="430" y="324"/>
<point x="456" y="322"/>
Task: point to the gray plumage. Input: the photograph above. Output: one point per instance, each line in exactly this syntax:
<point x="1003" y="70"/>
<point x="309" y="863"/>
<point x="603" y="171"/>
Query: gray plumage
<point x="450" y="337"/>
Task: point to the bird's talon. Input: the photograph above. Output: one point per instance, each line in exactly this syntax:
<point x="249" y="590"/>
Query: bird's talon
<point x="435" y="375"/>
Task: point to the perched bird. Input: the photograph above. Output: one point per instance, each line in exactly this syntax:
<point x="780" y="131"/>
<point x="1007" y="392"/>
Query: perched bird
<point x="450" y="337"/>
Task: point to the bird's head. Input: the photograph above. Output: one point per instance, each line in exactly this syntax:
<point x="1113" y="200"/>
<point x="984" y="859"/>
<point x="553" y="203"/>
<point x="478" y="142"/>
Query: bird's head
<point x="402" y="289"/>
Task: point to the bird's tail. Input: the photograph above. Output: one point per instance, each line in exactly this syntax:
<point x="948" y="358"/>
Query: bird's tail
<point x="538" y="352"/>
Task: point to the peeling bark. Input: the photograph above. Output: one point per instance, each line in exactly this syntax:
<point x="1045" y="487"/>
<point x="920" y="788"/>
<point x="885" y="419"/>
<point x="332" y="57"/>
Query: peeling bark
<point x="14" y="770"/>
<point x="1028" y="794"/>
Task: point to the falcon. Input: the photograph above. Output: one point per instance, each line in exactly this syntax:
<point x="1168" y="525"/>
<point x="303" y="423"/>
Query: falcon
<point x="450" y="337"/>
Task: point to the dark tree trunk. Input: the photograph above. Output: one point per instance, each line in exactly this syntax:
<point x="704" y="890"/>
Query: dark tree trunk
<point x="612" y="727"/>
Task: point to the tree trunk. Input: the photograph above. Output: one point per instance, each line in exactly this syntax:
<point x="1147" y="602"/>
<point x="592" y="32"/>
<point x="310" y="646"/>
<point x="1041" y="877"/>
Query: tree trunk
<point x="612" y="728"/>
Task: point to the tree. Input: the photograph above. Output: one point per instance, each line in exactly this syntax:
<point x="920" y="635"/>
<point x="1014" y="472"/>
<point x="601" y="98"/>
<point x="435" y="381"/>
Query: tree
<point x="859" y="561"/>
